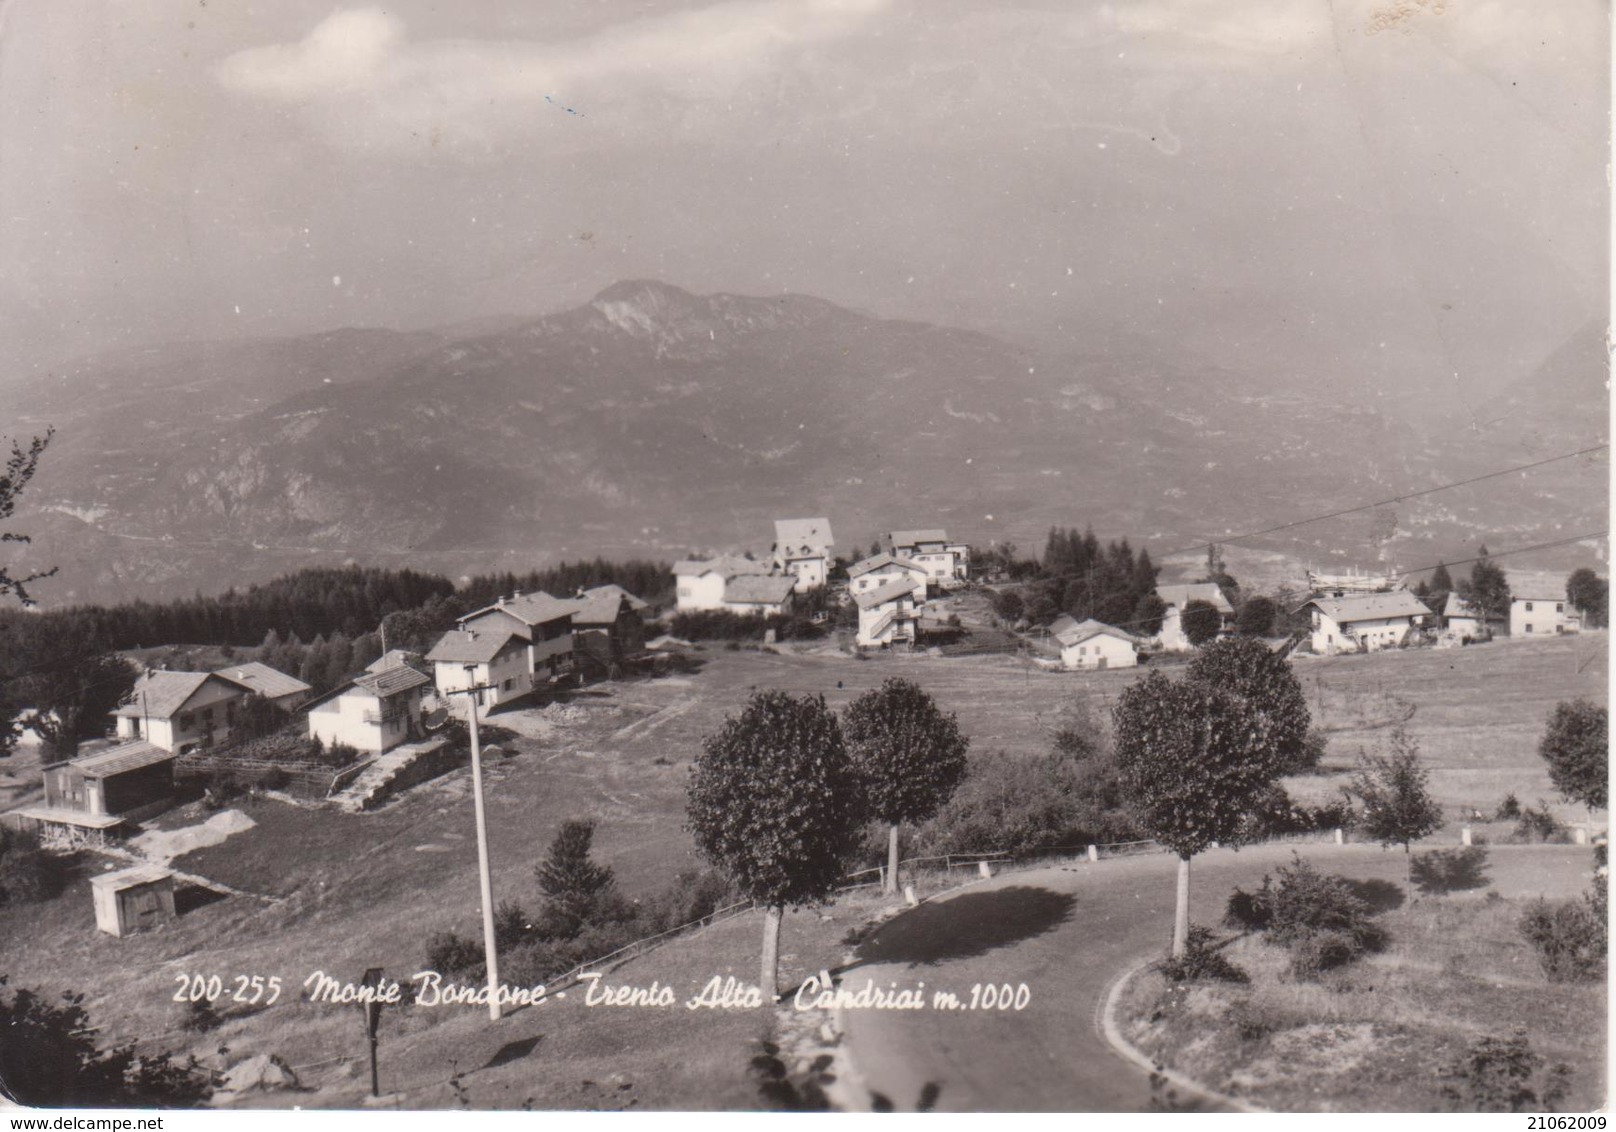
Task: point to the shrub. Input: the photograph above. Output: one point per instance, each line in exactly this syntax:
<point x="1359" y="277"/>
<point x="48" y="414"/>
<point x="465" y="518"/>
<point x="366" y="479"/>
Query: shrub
<point x="275" y="778"/>
<point x="1509" y="809"/>
<point x="1569" y="936"/>
<point x="1317" y="917"/>
<point x="28" y="873"/>
<point x="1502" y="1075"/>
<point x="1450" y="870"/>
<point x="451" y="954"/>
<point x="1539" y="825"/>
<point x="1202" y="960"/>
<point x="199" y="1017"/>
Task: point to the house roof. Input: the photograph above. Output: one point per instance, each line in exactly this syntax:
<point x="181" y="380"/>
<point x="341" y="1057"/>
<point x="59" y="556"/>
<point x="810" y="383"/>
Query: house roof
<point x="914" y="538"/>
<point x="1087" y="630"/>
<point x="1182" y="595"/>
<point x="129" y="878"/>
<point x="122" y="758"/>
<point x="1369" y="607"/>
<point x="471" y="646"/>
<point x="392" y="658"/>
<point x="891" y="591"/>
<point x="876" y="562"/>
<point x="265" y="680"/>
<point x="1537" y="595"/>
<point x="160" y="693"/>
<point x="391" y="681"/>
<point x="759" y="589"/>
<point x="808" y="537"/>
<point x="601" y="605"/>
<point x="728" y="565"/>
<point x="531" y="609"/>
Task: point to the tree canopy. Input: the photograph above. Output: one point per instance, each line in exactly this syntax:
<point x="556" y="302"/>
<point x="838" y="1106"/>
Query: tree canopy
<point x="20" y="468"/>
<point x="1397" y="807"/>
<point x="1200" y="622"/>
<point x="1487" y="589"/>
<point x="1576" y="745"/>
<point x="1590" y="595"/>
<point x="1256" y="617"/>
<point x="1249" y="669"/>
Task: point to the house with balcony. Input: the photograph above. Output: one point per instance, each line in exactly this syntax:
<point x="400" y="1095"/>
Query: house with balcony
<point x="802" y="550"/>
<point x="374" y="712"/>
<point x="543" y="622"/>
<point x="187" y="711"/>
<point x="947" y="564"/>
<point x="1366" y="622"/>
<point x="92" y="798"/>
<point x="493" y="658"/>
<point x="888" y="615"/>
<point x="876" y="571"/>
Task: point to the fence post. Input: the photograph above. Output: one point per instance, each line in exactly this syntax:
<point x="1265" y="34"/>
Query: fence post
<point x="1580" y="835"/>
<point x="1464" y="835"/>
<point x="909" y="895"/>
<point x="1094" y="852"/>
<point x="985" y="871"/>
<point x="1340" y="837"/>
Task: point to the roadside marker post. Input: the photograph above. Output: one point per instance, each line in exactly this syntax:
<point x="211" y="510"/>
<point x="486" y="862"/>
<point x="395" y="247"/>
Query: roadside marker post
<point x="373" y="1017"/>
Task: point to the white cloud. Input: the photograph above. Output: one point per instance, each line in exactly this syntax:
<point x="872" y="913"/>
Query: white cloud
<point x="360" y="66"/>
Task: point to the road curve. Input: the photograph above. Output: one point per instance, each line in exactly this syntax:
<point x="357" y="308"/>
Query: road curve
<point x="1068" y="933"/>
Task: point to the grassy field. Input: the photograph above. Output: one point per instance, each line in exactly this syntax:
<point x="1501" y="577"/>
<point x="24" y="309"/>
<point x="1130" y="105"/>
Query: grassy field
<point x="338" y="892"/>
<point x="1377" y="1034"/>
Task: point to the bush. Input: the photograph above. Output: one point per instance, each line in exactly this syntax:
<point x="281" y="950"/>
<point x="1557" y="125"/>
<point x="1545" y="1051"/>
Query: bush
<point x="1539" y="825"/>
<point x="1449" y="870"/>
<point x="1202" y="960"/>
<point x="1276" y="815"/>
<point x="1569" y="936"/>
<point x="1502" y="1075"/>
<point x="451" y="954"/>
<point x="1509" y="809"/>
<point x="28" y="873"/>
<point x="199" y="1017"/>
<point x="275" y="778"/>
<point x="1318" y="917"/>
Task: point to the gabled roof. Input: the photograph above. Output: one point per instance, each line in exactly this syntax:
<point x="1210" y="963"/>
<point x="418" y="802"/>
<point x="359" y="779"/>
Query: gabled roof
<point x="129" y="878"/>
<point x="530" y="609"/>
<point x="1087" y="630"/>
<point x="471" y="646"/>
<point x="891" y="591"/>
<point x="1182" y="595"/>
<point x="806" y="537"/>
<point x="759" y="589"/>
<point x="122" y="758"/>
<point x="601" y="605"/>
<point x="392" y="658"/>
<point x="1457" y="606"/>
<point x="1544" y="594"/>
<point x="266" y="681"/>
<point x="726" y="565"/>
<point x="876" y="562"/>
<point x="390" y="681"/>
<point x="1369" y="607"/>
<point x="161" y="694"/>
<point x="914" y="538"/>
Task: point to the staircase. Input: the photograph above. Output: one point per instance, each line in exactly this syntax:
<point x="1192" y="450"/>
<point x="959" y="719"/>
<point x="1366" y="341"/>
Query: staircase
<point x="393" y="771"/>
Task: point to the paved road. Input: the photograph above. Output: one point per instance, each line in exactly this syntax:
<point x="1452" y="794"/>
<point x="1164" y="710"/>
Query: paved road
<point x="1068" y="933"/>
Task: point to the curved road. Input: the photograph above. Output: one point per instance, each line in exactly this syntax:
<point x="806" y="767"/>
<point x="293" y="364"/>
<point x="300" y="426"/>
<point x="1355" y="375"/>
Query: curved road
<point x="1069" y="933"/>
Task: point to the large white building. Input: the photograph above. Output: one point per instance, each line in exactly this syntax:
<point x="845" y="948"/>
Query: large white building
<point x="184" y="711"/>
<point x="374" y="712"/>
<point x="802" y="549"/>
<point x="493" y="659"/>
<point x="1542" y="613"/>
<point x="874" y="572"/>
<point x="1365" y="622"/>
<point x="888" y="615"/>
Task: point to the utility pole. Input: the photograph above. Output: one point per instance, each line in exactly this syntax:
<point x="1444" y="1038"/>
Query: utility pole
<point x="490" y="950"/>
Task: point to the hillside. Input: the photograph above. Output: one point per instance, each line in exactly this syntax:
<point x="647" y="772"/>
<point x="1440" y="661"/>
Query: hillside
<point x="652" y="420"/>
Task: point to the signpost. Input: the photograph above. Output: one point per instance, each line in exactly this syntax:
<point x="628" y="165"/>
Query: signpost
<point x="373" y="1017"/>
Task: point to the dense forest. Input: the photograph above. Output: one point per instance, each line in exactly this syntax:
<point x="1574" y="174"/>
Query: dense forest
<point x="1078" y="575"/>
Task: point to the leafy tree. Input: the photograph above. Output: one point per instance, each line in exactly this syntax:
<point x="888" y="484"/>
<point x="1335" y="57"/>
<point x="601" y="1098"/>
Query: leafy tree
<point x="70" y="689"/>
<point x="1576" y="746"/>
<point x="776" y="803"/>
<point x="1487" y="589"/>
<point x="1148" y="612"/>
<point x="1194" y="761"/>
<point x="20" y="468"/>
<point x="910" y="756"/>
<point x="1200" y="621"/>
<point x="1256" y="617"/>
<point x="1249" y="669"/>
<point x="49" y="1060"/>
<point x="574" y="886"/>
<point x="1590" y="594"/>
<point x="1438" y="589"/>
<point x="1397" y="807"/>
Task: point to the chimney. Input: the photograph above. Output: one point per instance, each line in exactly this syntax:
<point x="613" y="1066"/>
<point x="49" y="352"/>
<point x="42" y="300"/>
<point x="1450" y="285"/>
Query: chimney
<point x="515" y="594"/>
<point x="471" y="634"/>
<point x="499" y="602"/>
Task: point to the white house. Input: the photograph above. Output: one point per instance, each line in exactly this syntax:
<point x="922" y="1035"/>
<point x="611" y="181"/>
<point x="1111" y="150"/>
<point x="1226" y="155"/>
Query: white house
<point x="182" y="711"/>
<point x="1365" y="622"/>
<point x="760" y="594"/>
<point x="373" y="712"/>
<point x="543" y="622"/>
<point x="802" y="549"/>
<point x="1462" y="619"/>
<point x="1093" y="644"/>
<point x="699" y="583"/>
<point x="887" y="615"/>
<point x="1176" y="597"/>
<point x="946" y="563"/>
<point x="494" y="659"/>
<point x="1542" y="613"/>
<point x="874" y="572"/>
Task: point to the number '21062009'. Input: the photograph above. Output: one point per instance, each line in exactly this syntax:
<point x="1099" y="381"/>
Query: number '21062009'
<point x="250" y="989"/>
<point x="1553" y="1123"/>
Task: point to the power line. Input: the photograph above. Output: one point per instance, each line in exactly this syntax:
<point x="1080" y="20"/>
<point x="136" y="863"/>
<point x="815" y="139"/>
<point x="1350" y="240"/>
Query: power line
<point x="1393" y="499"/>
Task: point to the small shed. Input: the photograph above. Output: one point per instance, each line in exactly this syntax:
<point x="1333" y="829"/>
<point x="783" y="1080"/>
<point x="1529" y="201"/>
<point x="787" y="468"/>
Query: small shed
<point x="131" y="900"/>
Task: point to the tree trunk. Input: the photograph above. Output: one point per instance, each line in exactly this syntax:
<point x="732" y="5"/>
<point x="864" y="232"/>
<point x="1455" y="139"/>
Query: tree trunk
<point x="771" y="954"/>
<point x="1181" y="916"/>
<point x="891" y="885"/>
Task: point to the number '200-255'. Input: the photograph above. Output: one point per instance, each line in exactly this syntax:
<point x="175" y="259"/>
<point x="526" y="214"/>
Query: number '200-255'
<point x="249" y="989"/>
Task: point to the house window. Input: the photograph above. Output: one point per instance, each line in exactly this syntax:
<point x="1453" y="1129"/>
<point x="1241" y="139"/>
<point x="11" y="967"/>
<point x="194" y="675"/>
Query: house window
<point x="1559" y="607"/>
<point x="1528" y="626"/>
<point x="185" y="720"/>
<point x="508" y="685"/>
<point x="1528" y="607"/>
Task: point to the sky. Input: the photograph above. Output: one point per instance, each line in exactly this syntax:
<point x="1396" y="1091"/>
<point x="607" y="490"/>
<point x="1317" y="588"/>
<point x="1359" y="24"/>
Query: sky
<point x="1405" y="194"/>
